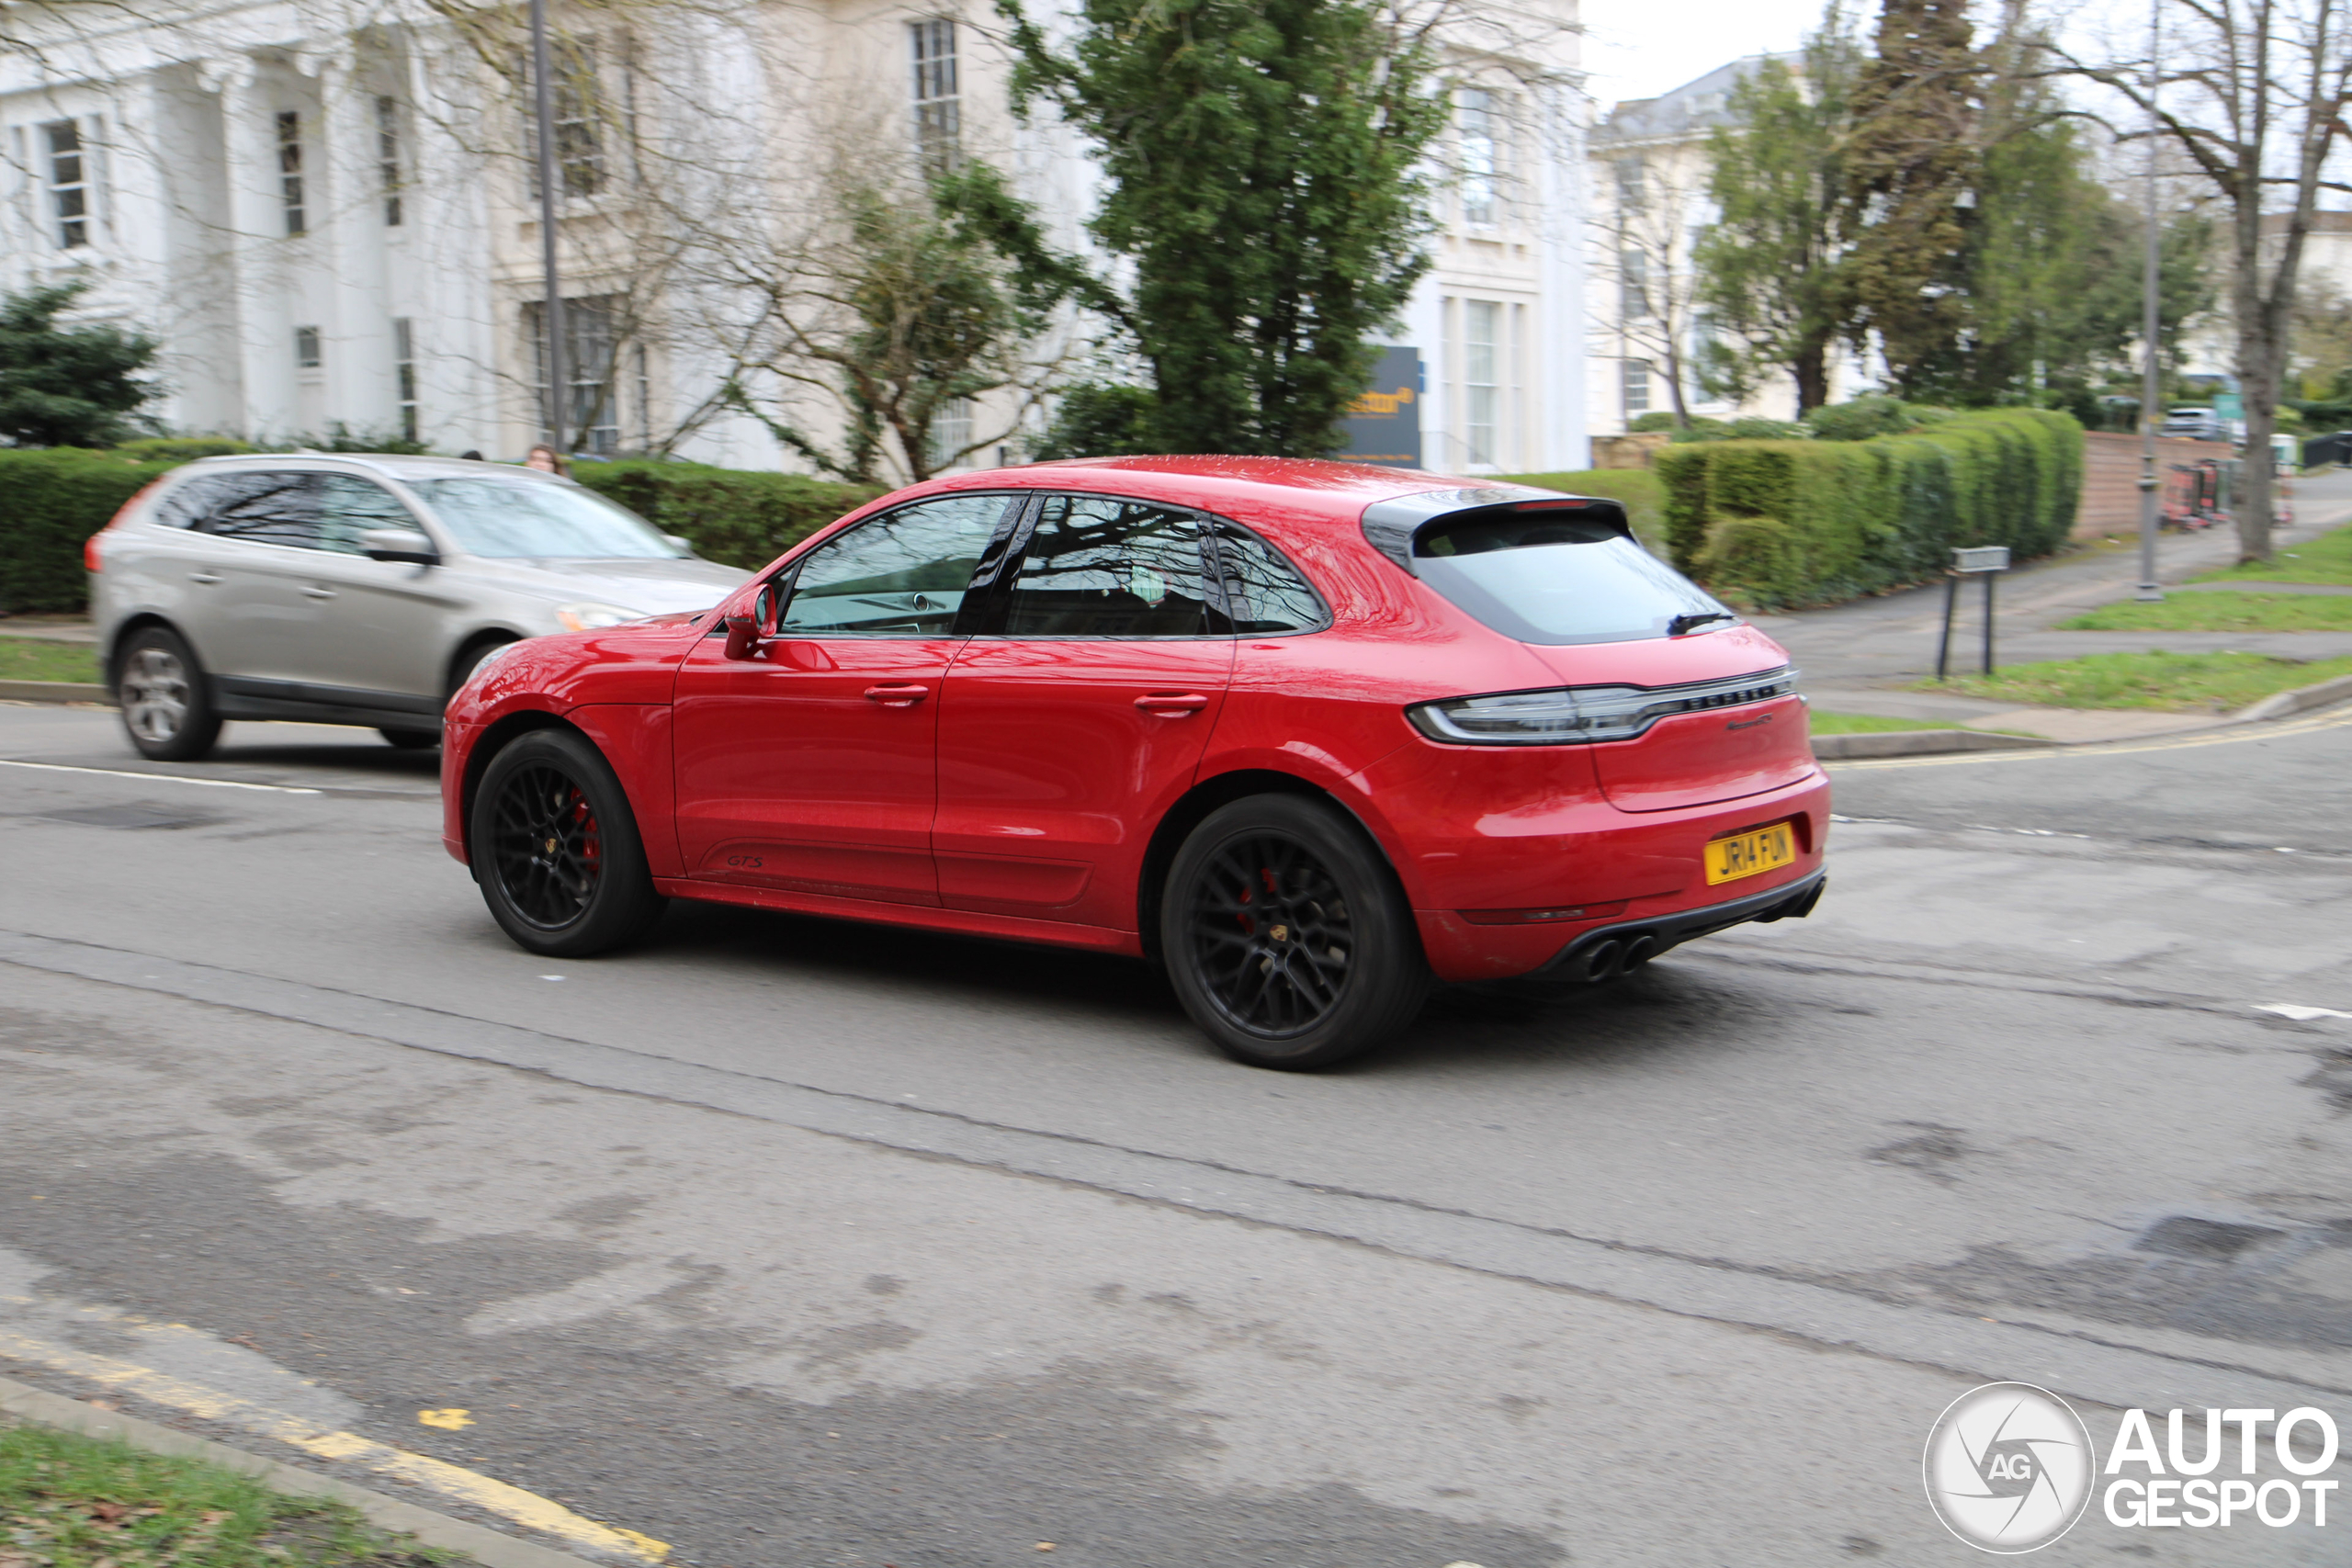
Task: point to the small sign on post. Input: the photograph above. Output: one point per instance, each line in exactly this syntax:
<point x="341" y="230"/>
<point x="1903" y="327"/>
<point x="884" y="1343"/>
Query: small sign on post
<point x="1980" y="560"/>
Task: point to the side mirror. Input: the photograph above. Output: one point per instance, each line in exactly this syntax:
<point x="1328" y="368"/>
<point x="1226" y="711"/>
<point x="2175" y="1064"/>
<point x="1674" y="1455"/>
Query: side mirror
<point x="755" y="625"/>
<point x="399" y="544"/>
<point x="679" y="543"/>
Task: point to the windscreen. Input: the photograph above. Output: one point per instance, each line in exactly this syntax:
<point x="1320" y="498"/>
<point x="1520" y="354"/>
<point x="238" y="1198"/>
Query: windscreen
<point x="493" y="516"/>
<point x="1543" y="578"/>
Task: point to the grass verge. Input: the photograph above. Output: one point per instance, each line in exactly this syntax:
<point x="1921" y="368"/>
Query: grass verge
<point x="2220" y="612"/>
<point x="2327" y="559"/>
<point x="31" y="659"/>
<point x="1864" y="724"/>
<point x="73" y="1502"/>
<point x="2174" y="683"/>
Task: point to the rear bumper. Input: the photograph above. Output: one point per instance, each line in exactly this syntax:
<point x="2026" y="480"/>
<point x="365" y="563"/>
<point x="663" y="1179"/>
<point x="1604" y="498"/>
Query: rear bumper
<point x="1610" y="951"/>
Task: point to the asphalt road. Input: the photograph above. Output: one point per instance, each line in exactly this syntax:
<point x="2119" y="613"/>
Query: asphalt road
<point x="786" y="1243"/>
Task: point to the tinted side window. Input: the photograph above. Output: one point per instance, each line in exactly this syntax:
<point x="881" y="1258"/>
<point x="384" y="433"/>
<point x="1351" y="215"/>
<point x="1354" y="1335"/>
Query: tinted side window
<point x="187" y="504"/>
<point x="1095" y="567"/>
<point x="1269" y="596"/>
<point x="349" y="506"/>
<point x="902" y="574"/>
<point x="268" y="509"/>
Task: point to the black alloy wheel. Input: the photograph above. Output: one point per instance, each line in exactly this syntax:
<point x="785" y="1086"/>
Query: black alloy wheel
<point x="556" y="851"/>
<point x="549" y="853"/>
<point x="1286" y="936"/>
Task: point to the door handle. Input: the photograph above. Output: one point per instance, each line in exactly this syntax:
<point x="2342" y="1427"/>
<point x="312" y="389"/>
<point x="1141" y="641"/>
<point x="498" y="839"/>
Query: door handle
<point x="1171" y="705"/>
<point x="315" y="591"/>
<point x="204" y="577"/>
<point x="897" y="697"/>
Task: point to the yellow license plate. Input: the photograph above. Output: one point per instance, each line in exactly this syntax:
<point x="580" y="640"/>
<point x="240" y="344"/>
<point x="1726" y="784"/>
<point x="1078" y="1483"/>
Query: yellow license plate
<point x="1745" y="855"/>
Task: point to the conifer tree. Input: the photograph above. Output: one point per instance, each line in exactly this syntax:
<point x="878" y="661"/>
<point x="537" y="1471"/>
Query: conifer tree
<point x="1265" y="192"/>
<point x="67" y="386"/>
<point x="1911" y="170"/>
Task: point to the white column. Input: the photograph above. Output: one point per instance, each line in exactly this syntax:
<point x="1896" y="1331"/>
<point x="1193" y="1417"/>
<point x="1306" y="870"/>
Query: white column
<point x="257" y="278"/>
<point x="349" y="234"/>
<point x="1560" y="319"/>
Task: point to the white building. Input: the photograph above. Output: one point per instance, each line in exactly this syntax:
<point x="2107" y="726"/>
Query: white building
<point x="1649" y="169"/>
<point x="325" y="211"/>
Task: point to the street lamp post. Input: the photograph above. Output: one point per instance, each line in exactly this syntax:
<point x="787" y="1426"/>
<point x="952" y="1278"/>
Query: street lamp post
<point x="2149" y="280"/>
<point x="551" y="312"/>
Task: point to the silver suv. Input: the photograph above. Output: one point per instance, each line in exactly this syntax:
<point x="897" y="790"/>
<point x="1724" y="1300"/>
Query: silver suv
<point x="361" y="591"/>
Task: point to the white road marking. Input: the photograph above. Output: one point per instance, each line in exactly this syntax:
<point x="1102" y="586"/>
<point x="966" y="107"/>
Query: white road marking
<point x="2298" y="1013"/>
<point x="164" y="778"/>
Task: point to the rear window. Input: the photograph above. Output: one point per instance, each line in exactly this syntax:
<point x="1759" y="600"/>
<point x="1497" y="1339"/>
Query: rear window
<point x="1545" y="577"/>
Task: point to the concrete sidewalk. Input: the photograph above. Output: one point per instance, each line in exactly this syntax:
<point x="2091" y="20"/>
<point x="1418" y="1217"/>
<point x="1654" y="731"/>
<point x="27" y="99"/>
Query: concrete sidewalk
<point x="48" y="629"/>
<point x="1859" y="658"/>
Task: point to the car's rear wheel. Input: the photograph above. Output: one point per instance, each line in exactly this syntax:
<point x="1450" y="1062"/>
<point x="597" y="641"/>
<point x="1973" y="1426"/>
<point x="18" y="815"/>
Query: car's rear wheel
<point x="1287" y="936"/>
<point x="166" y="705"/>
<point x="556" y="849"/>
<point x="412" y="740"/>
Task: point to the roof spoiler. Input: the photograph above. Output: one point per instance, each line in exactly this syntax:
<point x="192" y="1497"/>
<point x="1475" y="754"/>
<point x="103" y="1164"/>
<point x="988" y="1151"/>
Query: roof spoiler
<point x="1393" y="525"/>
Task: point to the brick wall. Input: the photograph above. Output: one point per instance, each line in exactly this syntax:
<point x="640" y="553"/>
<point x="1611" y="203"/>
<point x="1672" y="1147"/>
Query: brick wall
<point x="2111" y="477"/>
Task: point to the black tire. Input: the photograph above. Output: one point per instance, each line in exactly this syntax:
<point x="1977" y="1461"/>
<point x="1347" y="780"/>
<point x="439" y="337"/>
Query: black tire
<point x="1286" y="936"/>
<point x="556" y="849"/>
<point x="165" y="698"/>
<point x="412" y="740"/>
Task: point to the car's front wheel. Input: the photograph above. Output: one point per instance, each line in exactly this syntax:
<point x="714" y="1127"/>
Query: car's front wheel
<point x="1287" y="936"/>
<point x="166" y="705"/>
<point x="556" y="849"/>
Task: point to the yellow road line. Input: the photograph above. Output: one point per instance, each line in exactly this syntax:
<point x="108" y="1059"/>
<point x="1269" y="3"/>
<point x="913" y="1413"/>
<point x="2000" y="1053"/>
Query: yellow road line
<point x="2275" y="731"/>
<point x="451" y="1481"/>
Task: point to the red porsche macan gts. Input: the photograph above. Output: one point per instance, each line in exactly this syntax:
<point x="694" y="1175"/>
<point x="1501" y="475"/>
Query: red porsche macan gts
<point x="1309" y="735"/>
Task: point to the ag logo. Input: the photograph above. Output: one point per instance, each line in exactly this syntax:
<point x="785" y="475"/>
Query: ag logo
<point x="2008" y="1468"/>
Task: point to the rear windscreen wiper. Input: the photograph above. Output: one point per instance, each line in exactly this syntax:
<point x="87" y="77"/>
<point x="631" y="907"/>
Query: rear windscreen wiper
<point x="1681" y="624"/>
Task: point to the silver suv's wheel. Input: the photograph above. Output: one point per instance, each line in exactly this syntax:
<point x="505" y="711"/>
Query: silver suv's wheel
<point x="166" y="709"/>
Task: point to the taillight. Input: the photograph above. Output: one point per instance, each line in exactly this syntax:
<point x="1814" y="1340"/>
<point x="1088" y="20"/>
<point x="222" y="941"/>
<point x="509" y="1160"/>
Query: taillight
<point x="1572" y="713"/>
<point x="93" y="557"/>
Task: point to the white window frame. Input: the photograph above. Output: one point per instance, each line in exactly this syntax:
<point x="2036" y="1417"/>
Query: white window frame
<point x="288" y="125"/>
<point x="1634" y="387"/>
<point x="68" y="230"/>
<point x="951" y="431"/>
<point x="588" y="324"/>
<point x="387" y="157"/>
<point x="936" y="102"/>
<point x="1482" y="381"/>
<point x="404" y="376"/>
<point x="1476" y="113"/>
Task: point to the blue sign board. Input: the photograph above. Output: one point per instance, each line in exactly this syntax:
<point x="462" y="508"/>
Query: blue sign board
<point x="1384" y="424"/>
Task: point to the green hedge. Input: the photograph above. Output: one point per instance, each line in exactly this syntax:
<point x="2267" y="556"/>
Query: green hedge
<point x="1640" y="489"/>
<point x="1791" y="523"/>
<point x="740" y="516"/>
<point x="51" y="500"/>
